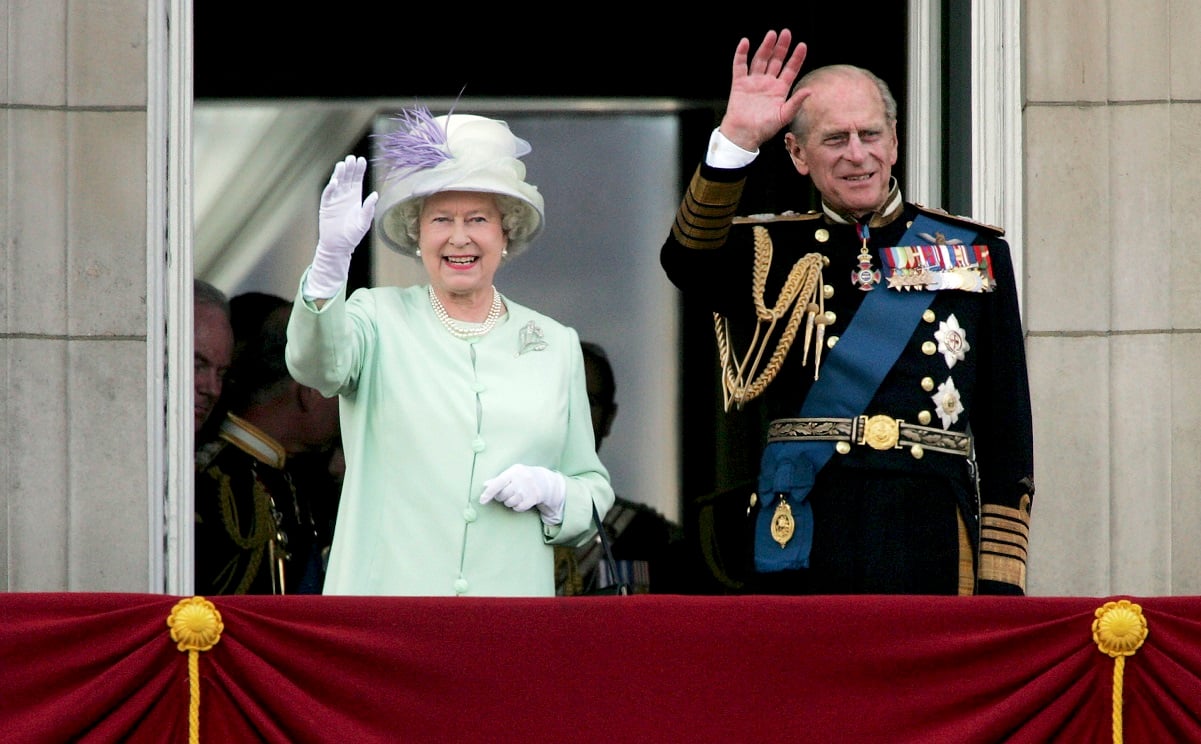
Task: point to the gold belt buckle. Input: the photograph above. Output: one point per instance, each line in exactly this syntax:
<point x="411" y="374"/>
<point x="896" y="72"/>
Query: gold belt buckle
<point x="879" y="432"/>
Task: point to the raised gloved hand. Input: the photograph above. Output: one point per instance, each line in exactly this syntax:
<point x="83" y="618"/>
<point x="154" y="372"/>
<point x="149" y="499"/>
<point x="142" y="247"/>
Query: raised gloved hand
<point x="341" y="224"/>
<point x="521" y="487"/>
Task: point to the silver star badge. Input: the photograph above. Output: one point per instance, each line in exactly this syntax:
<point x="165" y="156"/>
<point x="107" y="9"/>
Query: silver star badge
<point x="947" y="403"/>
<point x="952" y="341"/>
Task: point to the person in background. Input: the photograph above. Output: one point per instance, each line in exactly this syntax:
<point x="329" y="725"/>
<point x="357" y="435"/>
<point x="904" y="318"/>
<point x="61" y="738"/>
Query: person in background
<point x="262" y="510"/>
<point x="317" y="472"/>
<point x="646" y="545"/>
<point x="247" y="313"/>
<point x="881" y="339"/>
<point x="212" y="352"/>
<point x="465" y="417"/>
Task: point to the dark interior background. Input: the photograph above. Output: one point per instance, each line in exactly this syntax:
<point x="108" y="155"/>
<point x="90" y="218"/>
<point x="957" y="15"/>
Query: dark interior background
<point x="367" y="50"/>
<point x="371" y="50"/>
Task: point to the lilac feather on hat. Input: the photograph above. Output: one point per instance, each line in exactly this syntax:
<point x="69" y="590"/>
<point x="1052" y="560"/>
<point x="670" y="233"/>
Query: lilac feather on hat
<point x="419" y="142"/>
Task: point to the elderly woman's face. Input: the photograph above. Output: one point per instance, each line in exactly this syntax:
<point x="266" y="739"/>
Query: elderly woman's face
<point x="461" y="240"/>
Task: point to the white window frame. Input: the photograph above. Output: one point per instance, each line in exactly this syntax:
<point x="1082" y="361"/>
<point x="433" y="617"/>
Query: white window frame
<point x="996" y="167"/>
<point x="996" y="159"/>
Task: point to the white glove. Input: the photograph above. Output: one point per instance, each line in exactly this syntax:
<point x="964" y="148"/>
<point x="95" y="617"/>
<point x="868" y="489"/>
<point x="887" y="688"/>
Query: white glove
<point x="520" y="487"/>
<point x="341" y="224"/>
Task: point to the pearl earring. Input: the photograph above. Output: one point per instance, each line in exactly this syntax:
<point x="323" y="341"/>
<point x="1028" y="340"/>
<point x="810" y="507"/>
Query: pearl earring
<point x="504" y="252"/>
<point x="418" y="253"/>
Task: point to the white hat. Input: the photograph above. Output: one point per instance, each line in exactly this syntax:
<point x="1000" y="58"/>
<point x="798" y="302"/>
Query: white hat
<point x="456" y="152"/>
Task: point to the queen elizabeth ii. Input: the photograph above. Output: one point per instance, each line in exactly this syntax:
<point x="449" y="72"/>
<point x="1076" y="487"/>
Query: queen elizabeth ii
<point x="465" y="416"/>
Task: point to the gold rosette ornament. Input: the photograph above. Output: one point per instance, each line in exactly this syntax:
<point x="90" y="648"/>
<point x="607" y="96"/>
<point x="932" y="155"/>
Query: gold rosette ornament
<point x="1119" y="630"/>
<point x="195" y="626"/>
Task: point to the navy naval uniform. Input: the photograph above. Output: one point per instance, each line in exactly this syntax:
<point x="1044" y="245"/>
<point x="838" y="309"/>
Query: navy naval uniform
<point x="255" y="531"/>
<point x="923" y="481"/>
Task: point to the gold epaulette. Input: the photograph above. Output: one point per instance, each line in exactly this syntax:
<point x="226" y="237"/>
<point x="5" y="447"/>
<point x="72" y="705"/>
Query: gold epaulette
<point x="764" y="219"/>
<point x="253" y="441"/>
<point x="944" y="214"/>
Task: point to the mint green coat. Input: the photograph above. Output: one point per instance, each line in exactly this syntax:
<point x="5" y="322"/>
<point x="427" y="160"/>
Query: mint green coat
<point x="426" y="419"/>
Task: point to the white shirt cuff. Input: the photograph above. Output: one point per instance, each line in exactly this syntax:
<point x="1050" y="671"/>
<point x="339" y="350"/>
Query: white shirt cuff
<point x="723" y="153"/>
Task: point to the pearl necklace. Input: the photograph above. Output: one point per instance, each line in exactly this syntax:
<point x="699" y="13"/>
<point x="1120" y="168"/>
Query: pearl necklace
<point x="457" y="328"/>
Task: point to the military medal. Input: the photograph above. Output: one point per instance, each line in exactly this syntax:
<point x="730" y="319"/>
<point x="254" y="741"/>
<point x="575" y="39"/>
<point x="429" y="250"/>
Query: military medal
<point x="864" y="277"/>
<point x="782" y="523"/>
<point x="947" y="265"/>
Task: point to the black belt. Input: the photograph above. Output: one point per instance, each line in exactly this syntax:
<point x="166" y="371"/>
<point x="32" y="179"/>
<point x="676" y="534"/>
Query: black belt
<point x="878" y="432"/>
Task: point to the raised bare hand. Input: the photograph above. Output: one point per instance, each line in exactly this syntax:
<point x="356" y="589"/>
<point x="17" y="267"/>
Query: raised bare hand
<point x="760" y="105"/>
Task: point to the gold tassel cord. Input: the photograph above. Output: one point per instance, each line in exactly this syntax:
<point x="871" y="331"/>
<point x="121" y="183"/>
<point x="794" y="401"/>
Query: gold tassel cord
<point x="802" y="293"/>
<point x="195" y="626"/>
<point x="1119" y="630"/>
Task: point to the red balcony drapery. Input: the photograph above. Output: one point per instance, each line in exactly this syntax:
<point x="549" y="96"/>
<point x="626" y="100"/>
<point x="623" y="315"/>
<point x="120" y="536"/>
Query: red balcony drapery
<point x="101" y="667"/>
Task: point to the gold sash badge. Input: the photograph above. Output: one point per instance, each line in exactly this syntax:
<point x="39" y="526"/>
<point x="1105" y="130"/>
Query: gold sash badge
<point x="782" y="523"/>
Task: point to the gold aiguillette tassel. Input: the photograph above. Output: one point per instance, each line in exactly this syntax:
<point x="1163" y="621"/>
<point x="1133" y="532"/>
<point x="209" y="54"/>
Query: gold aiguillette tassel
<point x="817" y="352"/>
<point x="280" y="559"/>
<point x="810" y="314"/>
<point x="271" y="565"/>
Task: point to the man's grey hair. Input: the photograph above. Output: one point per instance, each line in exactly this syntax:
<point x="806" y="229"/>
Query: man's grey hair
<point x="800" y="123"/>
<point x="204" y="293"/>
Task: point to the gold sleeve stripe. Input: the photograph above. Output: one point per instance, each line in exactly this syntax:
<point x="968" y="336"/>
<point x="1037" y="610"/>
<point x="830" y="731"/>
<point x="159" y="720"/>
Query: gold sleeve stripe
<point x="704" y="218"/>
<point x="1001" y="547"/>
<point x="1006" y="532"/>
<point x="1002" y="568"/>
<point x="714" y="195"/>
<point x="701" y="226"/>
<point x="967" y="570"/>
<point x="1016" y="530"/>
<point x="1007" y="512"/>
<point x="1005" y="519"/>
<point x="1004" y="542"/>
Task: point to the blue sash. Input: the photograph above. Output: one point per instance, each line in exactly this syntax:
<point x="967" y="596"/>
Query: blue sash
<point x="850" y="376"/>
